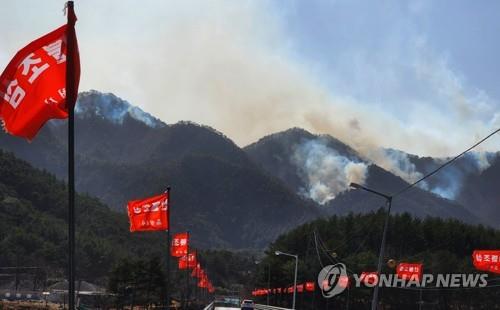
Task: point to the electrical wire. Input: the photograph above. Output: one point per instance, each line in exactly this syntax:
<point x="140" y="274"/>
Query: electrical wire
<point x="445" y="164"/>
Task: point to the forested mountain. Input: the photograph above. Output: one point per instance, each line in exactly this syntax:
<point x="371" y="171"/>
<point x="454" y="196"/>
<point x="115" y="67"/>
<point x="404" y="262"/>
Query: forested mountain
<point x="481" y="192"/>
<point x="33" y="225"/>
<point x="218" y="193"/>
<point x="442" y="246"/>
<point x="242" y="198"/>
<point x="327" y="160"/>
<point x="33" y="233"/>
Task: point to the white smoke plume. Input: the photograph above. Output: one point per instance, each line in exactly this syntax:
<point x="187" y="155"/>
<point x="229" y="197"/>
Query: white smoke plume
<point x="233" y="65"/>
<point x="394" y="161"/>
<point x="327" y="172"/>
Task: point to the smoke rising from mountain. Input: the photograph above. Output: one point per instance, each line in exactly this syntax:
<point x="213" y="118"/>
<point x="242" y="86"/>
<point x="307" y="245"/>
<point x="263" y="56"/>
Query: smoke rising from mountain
<point x="235" y="66"/>
<point x="326" y="172"/>
<point x="396" y="162"/>
<point x="232" y="65"/>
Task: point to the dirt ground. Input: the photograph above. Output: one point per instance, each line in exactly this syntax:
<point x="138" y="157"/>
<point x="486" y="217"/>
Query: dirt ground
<point x="25" y="305"/>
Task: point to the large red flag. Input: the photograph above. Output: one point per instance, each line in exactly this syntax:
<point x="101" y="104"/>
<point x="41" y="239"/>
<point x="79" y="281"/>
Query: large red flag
<point x="180" y="244"/>
<point x="150" y="214"/>
<point x="33" y="85"/>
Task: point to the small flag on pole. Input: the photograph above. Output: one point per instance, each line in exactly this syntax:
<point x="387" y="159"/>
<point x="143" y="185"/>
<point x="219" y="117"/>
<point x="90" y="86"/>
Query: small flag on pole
<point x="150" y="214"/>
<point x="180" y="244"/>
<point x="408" y="271"/>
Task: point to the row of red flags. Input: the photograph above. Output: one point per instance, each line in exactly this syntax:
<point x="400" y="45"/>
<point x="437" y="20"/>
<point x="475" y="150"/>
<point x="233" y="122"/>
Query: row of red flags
<point x="188" y="260"/>
<point x="301" y="288"/>
<point x="407" y="271"/>
<point x="152" y="214"/>
<point x="484" y="260"/>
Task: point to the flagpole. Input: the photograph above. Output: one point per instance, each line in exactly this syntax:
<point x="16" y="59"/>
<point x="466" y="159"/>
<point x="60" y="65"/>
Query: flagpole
<point x="187" y="273"/>
<point x="70" y="104"/>
<point x="167" y="295"/>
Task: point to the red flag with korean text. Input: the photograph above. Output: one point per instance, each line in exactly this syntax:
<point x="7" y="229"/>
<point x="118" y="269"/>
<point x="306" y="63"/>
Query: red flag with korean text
<point x="188" y="261"/>
<point x="487" y="260"/>
<point x="33" y="85"/>
<point x="408" y="271"/>
<point x="150" y="214"/>
<point x="180" y="244"/>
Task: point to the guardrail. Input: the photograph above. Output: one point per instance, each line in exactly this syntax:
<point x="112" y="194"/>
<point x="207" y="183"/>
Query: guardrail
<point x="265" y="307"/>
<point x="209" y="307"/>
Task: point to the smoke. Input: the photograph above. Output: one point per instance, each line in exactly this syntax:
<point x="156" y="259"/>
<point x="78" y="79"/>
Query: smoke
<point x="396" y="162"/>
<point x="112" y="108"/>
<point x="449" y="182"/>
<point x="235" y="66"/>
<point x="326" y="172"/>
<point x="481" y="159"/>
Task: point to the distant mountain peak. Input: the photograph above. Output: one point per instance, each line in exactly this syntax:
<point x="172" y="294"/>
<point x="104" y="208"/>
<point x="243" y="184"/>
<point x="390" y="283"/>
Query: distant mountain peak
<point x="110" y="107"/>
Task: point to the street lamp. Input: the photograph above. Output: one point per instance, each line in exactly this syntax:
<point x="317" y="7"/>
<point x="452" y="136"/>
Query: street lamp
<point x="384" y="237"/>
<point x="278" y="253"/>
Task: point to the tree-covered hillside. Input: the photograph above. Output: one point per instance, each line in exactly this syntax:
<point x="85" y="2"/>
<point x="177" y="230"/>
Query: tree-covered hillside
<point x="33" y="225"/>
<point x="33" y="233"/>
<point x="443" y="246"/>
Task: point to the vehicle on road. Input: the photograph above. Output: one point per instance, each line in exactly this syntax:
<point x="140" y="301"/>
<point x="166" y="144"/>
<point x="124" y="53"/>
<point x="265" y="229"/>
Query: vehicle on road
<point x="247" y="304"/>
<point x="227" y="303"/>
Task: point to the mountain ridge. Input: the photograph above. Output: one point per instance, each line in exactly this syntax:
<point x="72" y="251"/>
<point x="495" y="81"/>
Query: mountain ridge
<point x="228" y="196"/>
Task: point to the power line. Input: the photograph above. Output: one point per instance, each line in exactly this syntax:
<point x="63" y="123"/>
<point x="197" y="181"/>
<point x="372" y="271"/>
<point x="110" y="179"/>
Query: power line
<point x="445" y="164"/>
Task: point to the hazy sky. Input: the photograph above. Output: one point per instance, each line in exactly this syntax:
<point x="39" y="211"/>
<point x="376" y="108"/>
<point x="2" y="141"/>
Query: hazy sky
<point x="421" y="76"/>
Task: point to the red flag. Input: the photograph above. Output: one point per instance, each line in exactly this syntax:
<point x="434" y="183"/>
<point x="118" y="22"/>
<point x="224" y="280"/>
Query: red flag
<point x="180" y="244"/>
<point x="197" y="271"/>
<point x="310" y="286"/>
<point x="409" y="271"/>
<point x="487" y="260"/>
<point x="33" y="85"/>
<point x="188" y="261"/>
<point x="150" y="214"/>
<point x="203" y="283"/>
<point x="300" y="288"/>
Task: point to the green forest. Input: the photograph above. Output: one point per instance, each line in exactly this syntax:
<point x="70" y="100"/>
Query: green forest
<point x="443" y="246"/>
<point x="33" y="232"/>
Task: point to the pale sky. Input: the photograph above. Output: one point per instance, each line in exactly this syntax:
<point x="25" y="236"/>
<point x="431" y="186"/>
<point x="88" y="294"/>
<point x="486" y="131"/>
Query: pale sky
<point x="420" y="76"/>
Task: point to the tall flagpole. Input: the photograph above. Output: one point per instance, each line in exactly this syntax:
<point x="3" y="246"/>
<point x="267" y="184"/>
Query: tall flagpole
<point x="70" y="104"/>
<point x="187" y="274"/>
<point x="167" y="295"/>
